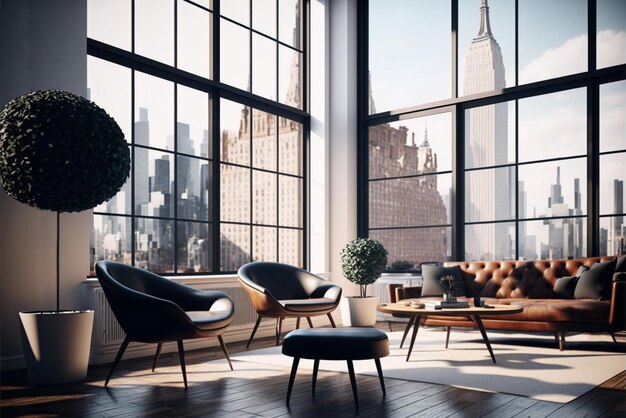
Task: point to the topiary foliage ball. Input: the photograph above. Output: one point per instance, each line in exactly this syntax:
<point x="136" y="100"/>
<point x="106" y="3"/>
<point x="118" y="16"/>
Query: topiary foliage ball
<point x="61" y="152"/>
<point x="363" y="261"/>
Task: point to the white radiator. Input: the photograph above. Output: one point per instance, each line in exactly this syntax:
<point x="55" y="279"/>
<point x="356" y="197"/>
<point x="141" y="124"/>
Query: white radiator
<point x="107" y="330"/>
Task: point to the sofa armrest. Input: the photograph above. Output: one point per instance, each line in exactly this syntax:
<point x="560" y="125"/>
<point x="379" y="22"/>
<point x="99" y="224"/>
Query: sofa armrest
<point x="619" y="276"/>
<point x="391" y="291"/>
<point x="617" y="313"/>
<point x="410" y="292"/>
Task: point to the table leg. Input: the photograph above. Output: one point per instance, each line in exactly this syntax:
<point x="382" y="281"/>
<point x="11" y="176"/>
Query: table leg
<point x="481" y="327"/>
<point x="416" y="326"/>
<point x="406" y="330"/>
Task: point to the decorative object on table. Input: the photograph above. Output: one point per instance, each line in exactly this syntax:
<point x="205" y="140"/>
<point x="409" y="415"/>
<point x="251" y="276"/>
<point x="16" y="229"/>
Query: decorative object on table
<point x="449" y="294"/>
<point x="363" y="260"/>
<point x="284" y="291"/>
<point x="59" y="152"/>
<point x="432" y="286"/>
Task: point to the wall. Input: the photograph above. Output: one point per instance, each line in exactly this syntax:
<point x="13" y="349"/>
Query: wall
<point x="42" y="46"/>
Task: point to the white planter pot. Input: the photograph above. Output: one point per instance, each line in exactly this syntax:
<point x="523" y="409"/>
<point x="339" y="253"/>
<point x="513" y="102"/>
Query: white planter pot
<point x="357" y="311"/>
<point x="56" y="345"/>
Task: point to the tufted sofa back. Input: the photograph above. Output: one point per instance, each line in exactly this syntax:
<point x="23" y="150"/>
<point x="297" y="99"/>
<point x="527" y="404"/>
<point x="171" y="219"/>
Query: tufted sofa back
<point x="518" y="279"/>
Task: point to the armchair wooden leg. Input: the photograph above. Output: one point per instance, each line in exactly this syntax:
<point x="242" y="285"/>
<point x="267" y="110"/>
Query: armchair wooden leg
<point x="298" y="323"/>
<point x="389" y="325"/>
<point x="118" y="357"/>
<point x="256" y="325"/>
<point x="279" y="326"/>
<point x="221" y="340"/>
<point x="310" y="322"/>
<point x="181" y="356"/>
<point x="562" y="341"/>
<point x="613" y="336"/>
<point x="156" y="356"/>
<point x="448" y="337"/>
<point x="332" y="321"/>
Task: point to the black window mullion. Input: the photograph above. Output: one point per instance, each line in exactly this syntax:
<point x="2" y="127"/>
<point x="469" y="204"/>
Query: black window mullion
<point x="518" y="239"/>
<point x="593" y="168"/>
<point x="458" y="185"/>
<point x="454" y="47"/>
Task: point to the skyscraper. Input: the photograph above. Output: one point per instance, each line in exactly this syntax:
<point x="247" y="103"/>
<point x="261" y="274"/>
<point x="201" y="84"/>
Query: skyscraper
<point x="486" y="139"/>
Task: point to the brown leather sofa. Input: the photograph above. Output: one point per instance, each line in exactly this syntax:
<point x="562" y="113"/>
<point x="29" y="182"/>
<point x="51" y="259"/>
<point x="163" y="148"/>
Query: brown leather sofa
<point x="544" y="311"/>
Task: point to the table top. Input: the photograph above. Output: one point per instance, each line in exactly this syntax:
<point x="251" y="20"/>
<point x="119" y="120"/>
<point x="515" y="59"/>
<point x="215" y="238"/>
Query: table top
<point x="396" y="308"/>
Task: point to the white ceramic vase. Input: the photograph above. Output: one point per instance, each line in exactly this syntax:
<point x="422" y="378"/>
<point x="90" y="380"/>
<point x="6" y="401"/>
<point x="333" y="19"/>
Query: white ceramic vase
<point x="56" y="345"/>
<point x="357" y="311"/>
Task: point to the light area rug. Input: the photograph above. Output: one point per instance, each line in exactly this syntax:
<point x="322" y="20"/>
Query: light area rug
<point x="538" y="371"/>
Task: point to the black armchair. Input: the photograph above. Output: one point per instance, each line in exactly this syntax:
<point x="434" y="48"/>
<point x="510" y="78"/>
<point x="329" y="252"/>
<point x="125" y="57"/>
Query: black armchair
<point x="284" y="291"/>
<point x="153" y="309"/>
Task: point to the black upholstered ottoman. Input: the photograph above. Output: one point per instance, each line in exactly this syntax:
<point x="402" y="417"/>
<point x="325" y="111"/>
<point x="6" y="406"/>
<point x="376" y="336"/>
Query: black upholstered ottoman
<point x="336" y="344"/>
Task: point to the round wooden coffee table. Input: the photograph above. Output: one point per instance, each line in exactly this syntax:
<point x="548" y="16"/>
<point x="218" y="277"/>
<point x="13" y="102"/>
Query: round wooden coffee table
<point x="474" y="313"/>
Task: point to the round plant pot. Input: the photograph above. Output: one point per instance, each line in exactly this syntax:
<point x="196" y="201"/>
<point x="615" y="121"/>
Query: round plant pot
<point x="357" y="311"/>
<point x="56" y="345"/>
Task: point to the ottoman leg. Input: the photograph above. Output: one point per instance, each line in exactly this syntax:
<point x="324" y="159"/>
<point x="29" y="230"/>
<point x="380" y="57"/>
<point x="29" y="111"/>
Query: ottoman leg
<point x="316" y="367"/>
<point x="292" y="377"/>
<point x="380" y="376"/>
<point x="353" y="383"/>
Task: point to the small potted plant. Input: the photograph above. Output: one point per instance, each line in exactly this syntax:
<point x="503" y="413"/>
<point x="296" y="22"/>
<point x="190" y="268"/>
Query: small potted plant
<point x="59" y="152"/>
<point x="449" y="295"/>
<point x="362" y="261"/>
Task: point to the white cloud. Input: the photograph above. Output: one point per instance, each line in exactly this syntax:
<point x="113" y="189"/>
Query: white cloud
<point x="611" y="48"/>
<point x="569" y="58"/>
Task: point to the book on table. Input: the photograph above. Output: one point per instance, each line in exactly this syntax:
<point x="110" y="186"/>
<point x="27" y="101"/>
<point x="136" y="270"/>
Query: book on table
<point x="445" y="305"/>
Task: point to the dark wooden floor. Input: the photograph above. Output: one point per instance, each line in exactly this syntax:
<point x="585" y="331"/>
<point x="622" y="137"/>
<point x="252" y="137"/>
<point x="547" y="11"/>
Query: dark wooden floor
<point x="216" y="391"/>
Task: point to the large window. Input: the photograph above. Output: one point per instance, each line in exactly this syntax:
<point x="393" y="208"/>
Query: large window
<point x="514" y="148"/>
<point x="210" y="96"/>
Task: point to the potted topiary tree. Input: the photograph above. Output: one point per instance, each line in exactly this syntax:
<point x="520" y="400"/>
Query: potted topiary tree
<point x="362" y="261"/>
<point x="59" y="152"/>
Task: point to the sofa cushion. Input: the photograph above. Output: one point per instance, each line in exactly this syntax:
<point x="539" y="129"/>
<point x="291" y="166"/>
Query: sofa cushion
<point x="561" y="310"/>
<point x="581" y="270"/>
<point x="565" y="286"/>
<point x="596" y="282"/>
<point x="431" y="275"/>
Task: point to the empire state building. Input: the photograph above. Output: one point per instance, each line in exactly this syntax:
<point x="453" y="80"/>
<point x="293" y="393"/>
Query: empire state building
<point x="488" y="196"/>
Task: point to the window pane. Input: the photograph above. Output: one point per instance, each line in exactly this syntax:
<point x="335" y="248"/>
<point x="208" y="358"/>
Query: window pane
<point x="154" y="29"/>
<point x="109" y="21"/>
<point x="289" y="23"/>
<point x="154" y="173"/>
<point x="120" y="203"/>
<point x="235" y="246"/>
<point x="490" y="195"/>
<point x="613" y="116"/>
<point x="486" y="46"/>
<point x="411" y="247"/>
<point x="414" y="201"/>
<point x="154" y="245"/>
<point x="394" y="149"/>
<point x="289" y="77"/>
<point x="555" y="239"/>
<point x="546" y="49"/>
<point x="238" y="10"/>
<point x="290" y="247"/>
<point x="109" y="88"/>
<point x="194" y="188"/>
<point x="289" y="146"/>
<point x="405" y="70"/>
<point x="263" y="67"/>
<point x="290" y="201"/>
<point x="612" y="176"/>
<point x="553" y="125"/>
<point x="193" y="122"/>
<point x="264" y="140"/>
<point x="613" y="235"/>
<point x="264" y="16"/>
<point x="490" y="241"/>
<point x="154" y="112"/>
<point x="194" y="247"/>
<point x="264" y="243"/>
<point x="110" y="239"/>
<point x="264" y="198"/>
<point x="234" y="55"/>
<point x="564" y="195"/>
<point x="234" y="122"/>
<point x="194" y="39"/>
<point x="235" y="193"/>
<point x="611" y="37"/>
<point x="490" y="135"/>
